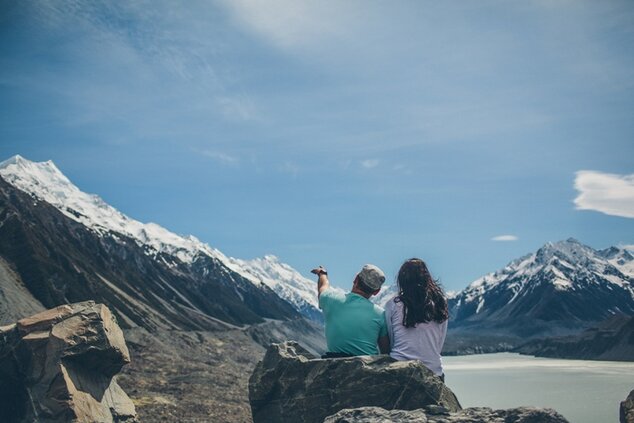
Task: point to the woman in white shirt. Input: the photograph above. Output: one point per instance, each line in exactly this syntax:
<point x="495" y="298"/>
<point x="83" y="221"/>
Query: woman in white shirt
<point x="417" y="317"/>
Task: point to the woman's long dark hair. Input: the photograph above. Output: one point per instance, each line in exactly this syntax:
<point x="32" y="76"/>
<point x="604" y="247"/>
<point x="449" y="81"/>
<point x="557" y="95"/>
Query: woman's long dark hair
<point x="422" y="297"/>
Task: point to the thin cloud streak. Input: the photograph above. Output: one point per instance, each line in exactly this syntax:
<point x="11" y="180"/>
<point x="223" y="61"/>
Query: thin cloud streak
<point x="370" y="163"/>
<point x="291" y="24"/>
<point x="504" y="238"/>
<point x="168" y="75"/>
<point x="606" y="193"/>
<point x="219" y="156"/>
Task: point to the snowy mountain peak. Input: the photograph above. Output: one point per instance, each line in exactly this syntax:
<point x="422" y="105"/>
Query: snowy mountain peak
<point x="46" y="175"/>
<point x="11" y="161"/>
<point x="18" y="160"/>
<point x="569" y="250"/>
<point x="26" y="166"/>
<point x="46" y="182"/>
<point x="564" y="259"/>
<point x="622" y="255"/>
<point x="566" y="271"/>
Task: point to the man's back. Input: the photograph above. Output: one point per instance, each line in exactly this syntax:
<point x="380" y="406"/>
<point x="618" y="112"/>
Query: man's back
<point x="353" y="323"/>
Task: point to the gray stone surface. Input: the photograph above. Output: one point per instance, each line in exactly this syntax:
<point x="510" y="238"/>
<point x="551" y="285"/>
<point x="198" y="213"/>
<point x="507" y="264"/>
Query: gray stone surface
<point x="627" y="409"/>
<point x="291" y="385"/>
<point x="59" y="366"/>
<point x="429" y="415"/>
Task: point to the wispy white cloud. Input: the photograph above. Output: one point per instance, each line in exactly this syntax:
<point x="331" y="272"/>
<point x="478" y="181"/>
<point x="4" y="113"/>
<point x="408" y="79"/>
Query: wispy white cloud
<point x="505" y="238"/>
<point x="296" y="24"/>
<point x="152" y="67"/>
<point x="237" y="107"/>
<point x="607" y="193"/>
<point x="370" y="163"/>
<point x="219" y="156"/>
<point x="360" y="41"/>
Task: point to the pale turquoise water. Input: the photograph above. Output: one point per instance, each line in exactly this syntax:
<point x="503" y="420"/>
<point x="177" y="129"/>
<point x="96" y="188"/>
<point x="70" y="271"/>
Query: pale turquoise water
<point x="582" y="391"/>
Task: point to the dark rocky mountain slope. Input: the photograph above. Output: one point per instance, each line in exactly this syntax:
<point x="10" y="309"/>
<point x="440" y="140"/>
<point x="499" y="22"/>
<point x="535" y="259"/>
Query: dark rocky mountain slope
<point x="61" y="261"/>
<point x="611" y="340"/>
<point x="43" y="181"/>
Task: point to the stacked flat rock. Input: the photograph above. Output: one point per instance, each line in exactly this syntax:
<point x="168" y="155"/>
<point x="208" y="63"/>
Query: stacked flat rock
<point x="627" y="409"/>
<point x="436" y="415"/>
<point x="59" y="366"/>
<point x="291" y="385"/>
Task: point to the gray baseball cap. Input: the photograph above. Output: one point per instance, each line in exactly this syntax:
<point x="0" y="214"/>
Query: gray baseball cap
<point x="371" y="276"/>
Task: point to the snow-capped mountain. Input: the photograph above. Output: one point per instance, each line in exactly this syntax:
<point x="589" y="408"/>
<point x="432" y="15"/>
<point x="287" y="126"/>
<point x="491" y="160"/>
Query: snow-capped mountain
<point x="387" y="293"/>
<point x="390" y="291"/>
<point x="564" y="285"/>
<point x="286" y="282"/>
<point x="44" y="182"/>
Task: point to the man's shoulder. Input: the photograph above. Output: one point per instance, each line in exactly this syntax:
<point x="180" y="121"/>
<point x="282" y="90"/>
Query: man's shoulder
<point x="377" y="309"/>
<point x="330" y="295"/>
<point x="330" y="292"/>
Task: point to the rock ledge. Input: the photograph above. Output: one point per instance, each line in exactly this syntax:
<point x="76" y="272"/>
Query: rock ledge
<point x="430" y="415"/>
<point x="291" y="385"/>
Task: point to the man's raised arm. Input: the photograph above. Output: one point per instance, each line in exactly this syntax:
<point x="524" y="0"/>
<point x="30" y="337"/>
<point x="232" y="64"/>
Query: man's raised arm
<point x="322" y="279"/>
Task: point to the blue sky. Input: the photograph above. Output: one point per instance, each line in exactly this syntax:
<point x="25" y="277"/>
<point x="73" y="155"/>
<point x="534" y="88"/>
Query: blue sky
<point x="336" y="133"/>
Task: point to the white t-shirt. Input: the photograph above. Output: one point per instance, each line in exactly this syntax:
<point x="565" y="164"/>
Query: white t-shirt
<point x="423" y="342"/>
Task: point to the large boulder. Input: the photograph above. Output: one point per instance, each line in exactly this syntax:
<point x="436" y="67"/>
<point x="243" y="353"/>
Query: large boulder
<point x="59" y="366"/>
<point x="436" y="415"/>
<point x="627" y="409"/>
<point x="292" y="385"/>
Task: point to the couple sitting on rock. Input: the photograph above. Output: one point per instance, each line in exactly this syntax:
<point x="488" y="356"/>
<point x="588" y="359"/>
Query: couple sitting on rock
<point x="412" y="326"/>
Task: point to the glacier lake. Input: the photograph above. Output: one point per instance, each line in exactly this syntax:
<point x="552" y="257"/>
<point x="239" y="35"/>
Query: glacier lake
<point x="582" y="391"/>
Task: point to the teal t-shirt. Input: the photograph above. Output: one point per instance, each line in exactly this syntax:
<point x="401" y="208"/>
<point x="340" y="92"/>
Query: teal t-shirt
<point x="353" y="323"/>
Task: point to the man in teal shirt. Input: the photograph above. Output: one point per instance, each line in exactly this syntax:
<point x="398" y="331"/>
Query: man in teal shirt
<point x="354" y="325"/>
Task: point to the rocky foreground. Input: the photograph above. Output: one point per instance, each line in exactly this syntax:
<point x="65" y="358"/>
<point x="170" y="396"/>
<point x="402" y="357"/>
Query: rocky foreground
<point x="436" y="415"/>
<point x="61" y="365"/>
<point x="291" y="385"/>
<point x="627" y="409"/>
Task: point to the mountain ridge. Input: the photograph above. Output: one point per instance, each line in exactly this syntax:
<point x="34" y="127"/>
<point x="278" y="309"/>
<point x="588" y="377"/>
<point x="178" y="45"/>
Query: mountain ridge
<point x="554" y="286"/>
<point x="566" y="284"/>
<point x="46" y="182"/>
